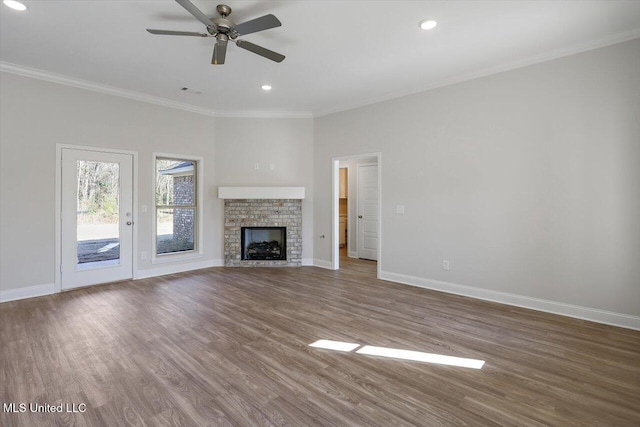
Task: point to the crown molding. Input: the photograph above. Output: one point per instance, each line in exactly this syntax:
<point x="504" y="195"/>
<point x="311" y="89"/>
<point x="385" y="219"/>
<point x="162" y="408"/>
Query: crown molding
<point x="95" y="87"/>
<point x="537" y="59"/>
<point x="248" y="114"/>
<point x="137" y="96"/>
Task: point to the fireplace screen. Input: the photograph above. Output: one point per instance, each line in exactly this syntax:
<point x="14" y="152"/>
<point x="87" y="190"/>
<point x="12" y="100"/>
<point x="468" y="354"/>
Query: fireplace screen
<point x="264" y="243"/>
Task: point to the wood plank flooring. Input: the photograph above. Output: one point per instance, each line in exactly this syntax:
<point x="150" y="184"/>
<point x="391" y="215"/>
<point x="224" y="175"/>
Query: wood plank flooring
<point x="229" y="347"/>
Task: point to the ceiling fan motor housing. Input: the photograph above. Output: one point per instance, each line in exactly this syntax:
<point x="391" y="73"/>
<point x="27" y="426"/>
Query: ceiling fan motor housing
<point x="223" y="24"/>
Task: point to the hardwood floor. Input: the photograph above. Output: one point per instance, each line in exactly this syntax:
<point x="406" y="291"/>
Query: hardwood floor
<point x="230" y="347"/>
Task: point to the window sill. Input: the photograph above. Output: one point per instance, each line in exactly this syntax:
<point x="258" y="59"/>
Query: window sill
<point x="176" y="257"/>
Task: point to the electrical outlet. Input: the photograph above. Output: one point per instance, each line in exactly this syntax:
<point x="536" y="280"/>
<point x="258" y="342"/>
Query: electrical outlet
<point x="143" y="255"/>
<point x="445" y="264"/>
<point x="143" y="208"/>
<point x="400" y="209"/>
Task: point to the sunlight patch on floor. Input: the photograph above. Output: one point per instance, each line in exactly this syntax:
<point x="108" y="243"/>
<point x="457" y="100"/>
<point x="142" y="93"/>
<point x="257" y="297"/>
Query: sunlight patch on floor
<point x="394" y="353"/>
<point x="335" y="345"/>
<point x="419" y="356"/>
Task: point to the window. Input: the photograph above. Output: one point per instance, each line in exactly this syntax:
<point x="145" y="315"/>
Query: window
<point x="176" y="205"/>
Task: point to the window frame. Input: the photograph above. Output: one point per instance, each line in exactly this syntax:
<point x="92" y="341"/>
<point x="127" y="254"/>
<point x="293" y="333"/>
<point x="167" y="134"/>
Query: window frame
<point x="196" y="252"/>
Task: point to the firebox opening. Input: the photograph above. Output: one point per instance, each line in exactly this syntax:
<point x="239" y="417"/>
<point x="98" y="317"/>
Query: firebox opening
<point x="263" y="243"/>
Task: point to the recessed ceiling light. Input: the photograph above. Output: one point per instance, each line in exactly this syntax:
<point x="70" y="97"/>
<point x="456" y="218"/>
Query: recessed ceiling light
<point x="428" y="24"/>
<point x="266" y="87"/>
<point x="16" y="5"/>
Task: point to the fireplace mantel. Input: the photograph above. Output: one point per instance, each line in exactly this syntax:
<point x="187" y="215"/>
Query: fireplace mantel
<point x="261" y="192"/>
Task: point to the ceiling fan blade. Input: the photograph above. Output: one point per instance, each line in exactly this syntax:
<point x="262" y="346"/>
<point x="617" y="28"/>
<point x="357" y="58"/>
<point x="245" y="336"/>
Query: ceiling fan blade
<point x="219" y="53"/>
<point x="177" y="33"/>
<point x="259" y="24"/>
<point x="269" y="54"/>
<point x="195" y="12"/>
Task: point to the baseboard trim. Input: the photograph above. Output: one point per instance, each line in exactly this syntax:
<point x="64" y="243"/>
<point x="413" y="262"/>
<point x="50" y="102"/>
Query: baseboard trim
<point x="178" y="268"/>
<point x="576" y="311"/>
<point x="323" y="264"/>
<point x="307" y="262"/>
<point x="29" y="292"/>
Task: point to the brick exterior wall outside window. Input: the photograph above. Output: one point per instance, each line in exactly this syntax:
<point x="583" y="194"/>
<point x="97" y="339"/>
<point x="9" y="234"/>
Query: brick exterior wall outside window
<point x="183" y="219"/>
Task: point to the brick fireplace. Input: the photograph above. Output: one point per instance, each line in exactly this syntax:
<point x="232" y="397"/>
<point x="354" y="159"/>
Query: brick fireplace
<point x="267" y="213"/>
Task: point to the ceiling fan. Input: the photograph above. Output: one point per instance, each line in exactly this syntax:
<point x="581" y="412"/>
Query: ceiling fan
<point x="224" y="29"/>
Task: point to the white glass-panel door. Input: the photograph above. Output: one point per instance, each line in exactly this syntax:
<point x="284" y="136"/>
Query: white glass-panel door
<point x="97" y="217"/>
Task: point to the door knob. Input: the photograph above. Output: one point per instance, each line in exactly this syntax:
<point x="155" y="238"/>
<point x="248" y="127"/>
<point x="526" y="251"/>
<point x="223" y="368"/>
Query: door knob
<point x="360" y="216"/>
<point x="129" y="222"/>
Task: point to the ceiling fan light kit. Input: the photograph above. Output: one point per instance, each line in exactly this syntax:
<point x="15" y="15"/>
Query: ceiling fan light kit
<point x="224" y="29"/>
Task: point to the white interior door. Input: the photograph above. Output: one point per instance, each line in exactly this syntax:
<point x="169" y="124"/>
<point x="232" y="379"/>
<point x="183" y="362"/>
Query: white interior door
<point x="368" y="211"/>
<point x="96" y="217"/>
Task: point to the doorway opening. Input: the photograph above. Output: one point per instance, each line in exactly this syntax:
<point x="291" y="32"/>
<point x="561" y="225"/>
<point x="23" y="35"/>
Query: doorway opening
<point x="356" y="211"/>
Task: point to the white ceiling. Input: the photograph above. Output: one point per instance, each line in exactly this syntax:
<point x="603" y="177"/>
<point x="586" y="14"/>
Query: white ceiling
<point x="340" y="54"/>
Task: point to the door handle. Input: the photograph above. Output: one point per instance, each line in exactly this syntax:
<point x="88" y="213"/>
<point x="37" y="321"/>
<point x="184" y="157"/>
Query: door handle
<point x="129" y="222"/>
<point x="360" y="216"/>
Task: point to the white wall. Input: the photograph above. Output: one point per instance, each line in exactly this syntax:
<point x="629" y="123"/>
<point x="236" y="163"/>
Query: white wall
<point x="35" y="115"/>
<point x="526" y="181"/>
<point x="285" y="143"/>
